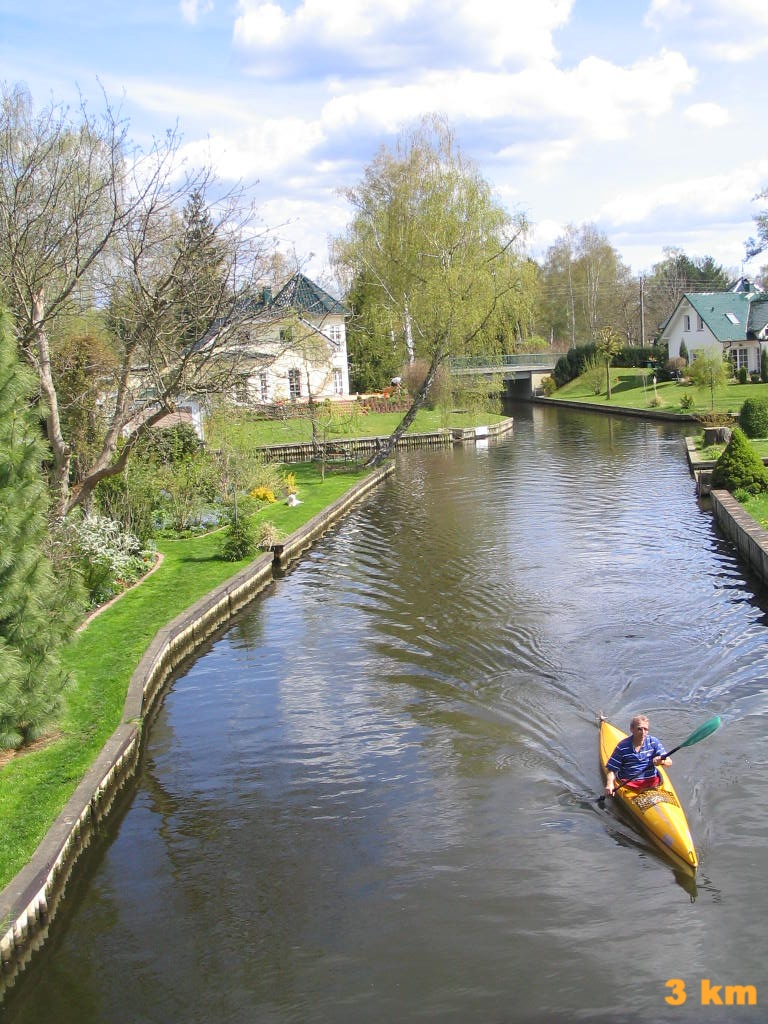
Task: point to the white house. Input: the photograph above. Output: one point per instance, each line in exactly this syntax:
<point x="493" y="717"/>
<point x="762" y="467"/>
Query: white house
<point x="286" y="346"/>
<point x="736" y="320"/>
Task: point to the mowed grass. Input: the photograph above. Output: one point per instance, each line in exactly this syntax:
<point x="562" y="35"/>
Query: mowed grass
<point x="632" y="389"/>
<point x="757" y="507"/>
<point x="101" y="659"/>
<point x="244" y="427"/>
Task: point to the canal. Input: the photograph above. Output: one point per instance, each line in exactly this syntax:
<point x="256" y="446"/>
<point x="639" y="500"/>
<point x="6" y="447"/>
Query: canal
<point x="372" y="797"/>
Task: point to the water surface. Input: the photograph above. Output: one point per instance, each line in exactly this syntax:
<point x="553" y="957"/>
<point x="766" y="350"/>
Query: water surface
<point x="372" y="798"/>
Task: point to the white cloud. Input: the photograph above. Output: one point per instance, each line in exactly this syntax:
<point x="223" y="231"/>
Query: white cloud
<point x="192" y="10"/>
<point x="709" y="115"/>
<point x="402" y="32"/>
<point x="261" y="26"/>
<point x="731" y="31"/>
<point x="720" y="196"/>
<point x="596" y="99"/>
<point x="661" y="11"/>
<point x="265" y="148"/>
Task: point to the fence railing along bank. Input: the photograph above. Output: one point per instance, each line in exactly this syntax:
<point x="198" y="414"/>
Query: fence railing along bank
<point x="352" y="449"/>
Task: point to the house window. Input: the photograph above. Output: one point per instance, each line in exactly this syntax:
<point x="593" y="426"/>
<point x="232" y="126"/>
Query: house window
<point x="686" y="322"/>
<point x="264" y="386"/>
<point x="338" y="382"/>
<point x="294" y="383"/>
<point x="740" y="357"/>
<point x="699" y="323"/>
<point x="241" y="392"/>
<point x="336" y="333"/>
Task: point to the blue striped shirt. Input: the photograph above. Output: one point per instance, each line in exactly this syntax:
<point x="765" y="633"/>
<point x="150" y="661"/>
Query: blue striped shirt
<point x="630" y="765"/>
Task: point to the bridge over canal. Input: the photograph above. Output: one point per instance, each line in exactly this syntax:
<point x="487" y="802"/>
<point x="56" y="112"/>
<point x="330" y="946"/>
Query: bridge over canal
<point x="522" y="373"/>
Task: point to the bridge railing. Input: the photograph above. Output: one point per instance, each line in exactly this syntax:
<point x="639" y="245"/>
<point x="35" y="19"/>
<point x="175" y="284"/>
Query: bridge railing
<point x="527" y="359"/>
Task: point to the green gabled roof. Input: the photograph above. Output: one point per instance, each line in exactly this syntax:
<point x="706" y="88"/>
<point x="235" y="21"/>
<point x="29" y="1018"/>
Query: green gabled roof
<point x="726" y="314"/>
<point x="305" y="296"/>
<point x="758" y="315"/>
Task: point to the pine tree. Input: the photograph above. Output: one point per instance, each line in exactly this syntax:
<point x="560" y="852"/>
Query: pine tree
<point x="740" y="468"/>
<point x="33" y="623"/>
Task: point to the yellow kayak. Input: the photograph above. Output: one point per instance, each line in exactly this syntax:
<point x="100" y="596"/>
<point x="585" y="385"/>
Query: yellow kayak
<point x="657" y="811"/>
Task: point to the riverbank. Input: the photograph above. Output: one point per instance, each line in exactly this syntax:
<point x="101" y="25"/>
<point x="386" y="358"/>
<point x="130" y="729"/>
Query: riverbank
<point x="736" y="522"/>
<point x="634" y="393"/>
<point x="35" y="787"/>
<point x="52" y="799"/>
<point x="373" y="786"/>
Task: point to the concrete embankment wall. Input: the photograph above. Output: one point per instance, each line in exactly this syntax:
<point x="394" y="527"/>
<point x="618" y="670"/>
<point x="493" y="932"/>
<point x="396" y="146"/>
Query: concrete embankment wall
<point x="747" y="535"/>
<point x="616" y="410"/>
<point x="28" y="903"/>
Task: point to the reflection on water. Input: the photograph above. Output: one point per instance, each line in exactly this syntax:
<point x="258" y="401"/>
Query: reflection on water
<point x="372" y="799"/>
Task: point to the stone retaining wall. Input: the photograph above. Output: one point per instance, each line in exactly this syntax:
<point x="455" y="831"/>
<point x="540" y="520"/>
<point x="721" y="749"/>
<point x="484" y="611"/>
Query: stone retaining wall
<point x="747" y="535"/>
<point x="646" y="414"/>
<point x="28" y="903"/>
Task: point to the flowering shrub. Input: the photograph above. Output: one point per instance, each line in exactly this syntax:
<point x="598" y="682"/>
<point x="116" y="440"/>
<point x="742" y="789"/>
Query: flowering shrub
<point x="289" y="481"/>
<point x="107" y="558"/>
<point x="263" y="493"/>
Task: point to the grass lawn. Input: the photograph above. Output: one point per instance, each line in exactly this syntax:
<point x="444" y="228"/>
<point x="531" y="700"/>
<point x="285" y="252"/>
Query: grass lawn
<point x="34" y="787"/>
<point x="633" y="389"/>
<point x="244" y="427"/>
<point x="757" y="507"/>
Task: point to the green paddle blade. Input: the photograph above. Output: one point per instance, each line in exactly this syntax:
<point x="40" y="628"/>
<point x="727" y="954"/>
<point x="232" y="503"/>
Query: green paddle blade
<point x="702" y="732"/>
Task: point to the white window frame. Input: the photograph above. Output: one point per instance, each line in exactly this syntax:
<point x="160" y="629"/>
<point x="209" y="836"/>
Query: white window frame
<point x="699" y="323"/>
<point x="686" y="322"/>
<point x="264" y="385"/>
<point x="740" y="357"/>
<point x="294" y="382"/>
<point x="241" y="391"/>
<point x="338" y="382"/>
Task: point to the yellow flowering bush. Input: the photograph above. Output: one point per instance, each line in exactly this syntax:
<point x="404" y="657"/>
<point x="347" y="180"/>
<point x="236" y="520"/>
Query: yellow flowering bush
<point x="263" y="493"/>
<point x="289" y="481"/>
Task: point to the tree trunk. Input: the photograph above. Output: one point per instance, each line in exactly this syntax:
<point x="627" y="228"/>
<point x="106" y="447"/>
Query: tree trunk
<point x="389" y="445"/>
<point x="61" y="451"/>
<point x="409" y="334"/>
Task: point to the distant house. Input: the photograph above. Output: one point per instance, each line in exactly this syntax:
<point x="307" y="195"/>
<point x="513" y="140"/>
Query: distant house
<point x="735" y="319"/>
<point x="286" y="346"/>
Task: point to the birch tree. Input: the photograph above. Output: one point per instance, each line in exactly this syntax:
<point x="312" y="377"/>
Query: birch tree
<point x="437" y="251"/>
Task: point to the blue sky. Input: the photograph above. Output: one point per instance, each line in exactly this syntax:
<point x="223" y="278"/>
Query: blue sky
<point x="644" y="118"/>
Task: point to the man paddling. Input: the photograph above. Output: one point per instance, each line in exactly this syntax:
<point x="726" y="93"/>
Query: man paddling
<point x="635" y="759"/>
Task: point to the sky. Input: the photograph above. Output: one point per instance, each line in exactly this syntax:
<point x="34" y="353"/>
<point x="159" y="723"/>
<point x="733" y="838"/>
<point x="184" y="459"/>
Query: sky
<point x="645" y="119"/>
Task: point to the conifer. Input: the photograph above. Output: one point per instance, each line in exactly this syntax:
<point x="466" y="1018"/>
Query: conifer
<point x="740" y="468"/>
<point x="33" y="625"/>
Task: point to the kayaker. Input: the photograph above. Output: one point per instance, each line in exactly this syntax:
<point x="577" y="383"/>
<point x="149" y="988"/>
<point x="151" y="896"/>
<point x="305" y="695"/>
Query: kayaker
<point x="635" y="759"/>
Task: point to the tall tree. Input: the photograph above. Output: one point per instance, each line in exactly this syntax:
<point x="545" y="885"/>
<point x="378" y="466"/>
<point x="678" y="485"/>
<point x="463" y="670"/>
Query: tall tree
<point x="34" y="619"/>
<point x="374" y="355"/>
<point x="438" y="252"/>
<point x="756" y="246"/>
<point x="675" y="275"/>
<point x="584" y="286"/>
<point x="88" y="219"/>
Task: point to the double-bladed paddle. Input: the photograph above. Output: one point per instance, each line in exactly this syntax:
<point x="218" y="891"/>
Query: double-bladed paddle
<point x="704" y="730"/>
